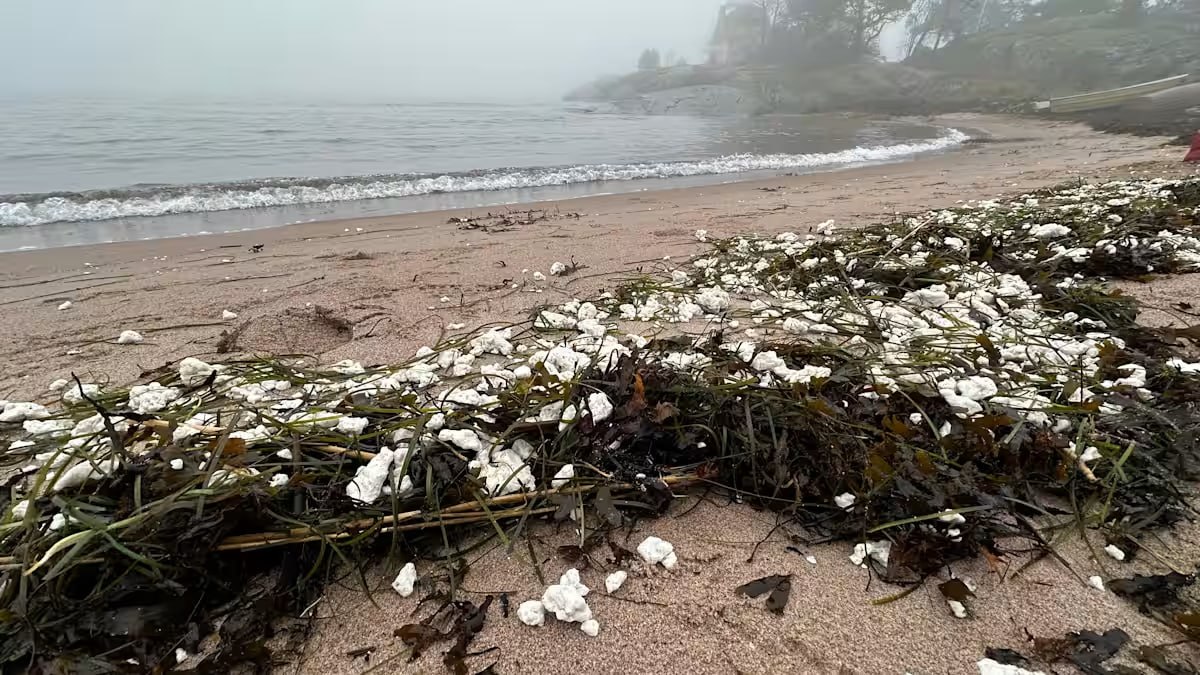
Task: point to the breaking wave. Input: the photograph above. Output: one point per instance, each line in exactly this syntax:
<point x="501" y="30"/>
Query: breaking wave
<point x="159" y="200"/>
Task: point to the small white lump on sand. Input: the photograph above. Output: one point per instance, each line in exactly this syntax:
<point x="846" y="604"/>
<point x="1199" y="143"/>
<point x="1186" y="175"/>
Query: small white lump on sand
<point x="600" y="406"/>
<point x="591" y="627"/>
<point x="369" y="480"/>
<point x="845" y="501"/>
<point x="558" y="269"/>
<point x="959" y="609"/>
<point x="563" y="476"/>
<point x="19" y="411"/>
<point x="151" y="398"/>
<point x="1096" y="583"/>
<point x="78" y="393"/>
<point x="532" y="613"/>
<point x="352" y="426"/>
<point x="130" y="337"/>
<point x="614" y="581"/>
<point x="193" y="372"/>
<point x="65" y="306"/>
<point x="878" y="550"/>
<point x="654" y="550"/>
<point x="404" y="582"/>
<point x="567" y="604"/>
<point x="1114" y="552"/>
<point x="228" y="315"/>
<point x="538" y="276"/>
<point x="571" y="579"/>
<point x="569" y="415"/>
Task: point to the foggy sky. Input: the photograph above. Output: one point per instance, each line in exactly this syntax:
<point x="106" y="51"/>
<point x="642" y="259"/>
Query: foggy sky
<point x="361" y="49"/>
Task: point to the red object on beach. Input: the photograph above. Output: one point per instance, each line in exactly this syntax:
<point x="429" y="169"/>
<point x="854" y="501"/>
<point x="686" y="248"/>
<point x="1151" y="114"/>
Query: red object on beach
<point x="1194" y="154"/>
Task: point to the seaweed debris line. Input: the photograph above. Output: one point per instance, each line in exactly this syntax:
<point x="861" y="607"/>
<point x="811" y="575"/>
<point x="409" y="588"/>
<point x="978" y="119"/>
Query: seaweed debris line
<point x="925" y="390"/>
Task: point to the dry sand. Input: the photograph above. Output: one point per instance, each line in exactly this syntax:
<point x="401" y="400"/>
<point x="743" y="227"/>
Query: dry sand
<point x="689" y="620"/>
<point x="382" y="278"/>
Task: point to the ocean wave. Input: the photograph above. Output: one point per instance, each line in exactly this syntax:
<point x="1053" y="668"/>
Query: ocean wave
<point x="27" y="210"/>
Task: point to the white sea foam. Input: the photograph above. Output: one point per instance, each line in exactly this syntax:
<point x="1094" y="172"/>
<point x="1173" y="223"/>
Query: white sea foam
<point x="223" y="198"/>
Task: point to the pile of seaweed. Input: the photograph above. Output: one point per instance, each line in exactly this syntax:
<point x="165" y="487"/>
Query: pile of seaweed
<point x="930" y="389"/>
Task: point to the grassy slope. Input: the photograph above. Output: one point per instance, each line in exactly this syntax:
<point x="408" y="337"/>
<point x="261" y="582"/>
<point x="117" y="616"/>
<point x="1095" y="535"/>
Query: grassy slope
<point x="1069" y="55"/>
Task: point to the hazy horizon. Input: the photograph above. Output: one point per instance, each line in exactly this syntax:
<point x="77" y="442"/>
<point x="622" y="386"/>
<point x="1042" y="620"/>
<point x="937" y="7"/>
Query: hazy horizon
<point x="458" y="50"/>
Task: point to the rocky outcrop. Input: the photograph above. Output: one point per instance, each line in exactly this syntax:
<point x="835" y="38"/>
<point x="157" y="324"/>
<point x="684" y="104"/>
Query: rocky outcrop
<point x="702" y="100"/>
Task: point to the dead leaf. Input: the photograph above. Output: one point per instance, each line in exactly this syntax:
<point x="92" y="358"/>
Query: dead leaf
<point x="1156" y="658"/>
<point x="419" y="637"/>
<point x="637" y="402"/>
<point x="663" y="412"/>
<point x="234" y="447"/>
<point x="1189" y="623"/>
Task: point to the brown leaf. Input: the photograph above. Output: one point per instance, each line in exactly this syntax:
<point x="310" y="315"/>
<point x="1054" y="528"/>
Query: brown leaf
<point x="418" y="636"/>
<point x="637" y="402"/>
<point x="898" y="426"/>
<point x="663" y="412"/>
<point x="1157" y="658"/>
<point x="572" y="554"/>
<point x="925" y="463"/>
<point x="1189" y="623"/>
<point x="1052" y="650"/>
<point x="234" y="447"/>
<point x="995" y="562"/>
<point x="819" y="405"/>
<point x="878" y="470"/>
<point x="989" y="348"/>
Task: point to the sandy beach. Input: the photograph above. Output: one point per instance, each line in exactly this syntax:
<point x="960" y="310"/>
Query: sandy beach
<point x="690" y="620"/>
<point x="383" y="279"/>
<point x="376" y="289"/>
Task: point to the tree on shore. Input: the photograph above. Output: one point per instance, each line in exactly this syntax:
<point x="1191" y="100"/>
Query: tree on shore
<point x="650" y="60"/>
<point x="851" y="27"/>
<point x="933" y="24"/>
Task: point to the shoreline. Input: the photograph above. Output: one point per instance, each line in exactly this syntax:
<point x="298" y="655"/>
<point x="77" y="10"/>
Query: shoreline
<point x="231" y="220"/>
<point x="384" y="277"/>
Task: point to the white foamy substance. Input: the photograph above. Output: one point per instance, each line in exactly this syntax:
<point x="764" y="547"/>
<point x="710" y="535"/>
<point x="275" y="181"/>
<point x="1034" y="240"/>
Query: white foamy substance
<point x="214" y="198"/>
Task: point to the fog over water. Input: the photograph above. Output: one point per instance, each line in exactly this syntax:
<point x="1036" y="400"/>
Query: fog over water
<point x="398" y="50"/>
